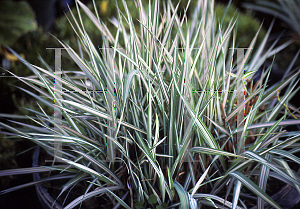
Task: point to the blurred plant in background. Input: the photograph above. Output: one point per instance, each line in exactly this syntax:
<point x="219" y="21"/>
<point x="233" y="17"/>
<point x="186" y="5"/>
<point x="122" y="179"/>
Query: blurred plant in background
<point x="287" y="19"/>
<point x="287" y="11"/>
<point x="15" y="22"/>
<point x="246" y="25"/>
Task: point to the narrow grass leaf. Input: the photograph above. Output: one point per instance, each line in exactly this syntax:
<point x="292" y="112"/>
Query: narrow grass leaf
<point x="81" y="198"/>
<point x="89" y="171"/>
<point x="254" y="188"/>
<point x="183" y="195"/>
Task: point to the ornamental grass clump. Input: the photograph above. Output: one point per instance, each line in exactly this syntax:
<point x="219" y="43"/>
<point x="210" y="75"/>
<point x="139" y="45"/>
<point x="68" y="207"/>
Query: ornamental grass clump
<point x="164" y="120"/>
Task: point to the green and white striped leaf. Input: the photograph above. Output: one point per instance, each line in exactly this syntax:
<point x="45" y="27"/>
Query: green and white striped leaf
<point x="89" y="171"/>
<point x="254" y="188"/>
<point x="183" y="195"/>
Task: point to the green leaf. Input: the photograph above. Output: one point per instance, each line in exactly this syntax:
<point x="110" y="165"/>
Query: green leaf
<point x="286" y="154"/>
<point x="15" y="22"/>
<point x="212" y="202"/>
<point x="152" y="199"/>
<point x="56" y="177"/>
<point x="128" y="82"/>
<point x="90" y="171"/>
<point x="119" y="199"/>
<point x="236" y="193"/>
<point x="254" y="188"/>
<point x="200" y="181"/>
<point x="86" y="196"/>
<point x="193" y="202"/>
<point x="79" y="177"/>
<point x="100" y="165"/>
<point x="139" y="205"/>
<point x="97" y="22"/>
<point x="211" y="151"/>
<point x="215" y="197"/>
<point x="270" y="165"/>
<point x="171" y="182"/>
<point x="164" y="204"/>
<point x="257" y="143"/>
<point x="183" y="195"/>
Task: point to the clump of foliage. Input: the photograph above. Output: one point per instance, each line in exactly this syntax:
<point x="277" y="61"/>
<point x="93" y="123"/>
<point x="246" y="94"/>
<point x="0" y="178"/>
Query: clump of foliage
<point x="38" y="40"/>
<point x="159" y="127"/>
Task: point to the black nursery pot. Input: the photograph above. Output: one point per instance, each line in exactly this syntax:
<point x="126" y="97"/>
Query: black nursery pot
<point x="287" y="197"/>
<point x="45" y="198"/>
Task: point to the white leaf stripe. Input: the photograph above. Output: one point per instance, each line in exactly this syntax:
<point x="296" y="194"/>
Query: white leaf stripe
<point x="215" y="197"/>
<point x="259" y="159"/>
<point x="78" y="200"/>
<point x="285" y="154"/>
<point x="200" y="181"/>
<point x="100" y="114"/>
<point x="101" y="165"/>
<point x="236" y="193"/>
<point x="254" y="188"/>
<point x="89" y="170"/>
<point x="183" y="195"/>
<point x="212" y="151"/>
<point x="119" y="200"/>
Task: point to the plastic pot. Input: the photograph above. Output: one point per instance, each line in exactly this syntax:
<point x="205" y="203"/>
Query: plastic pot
<point x="45" y="198"/>
<point x="287" y="197"/>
